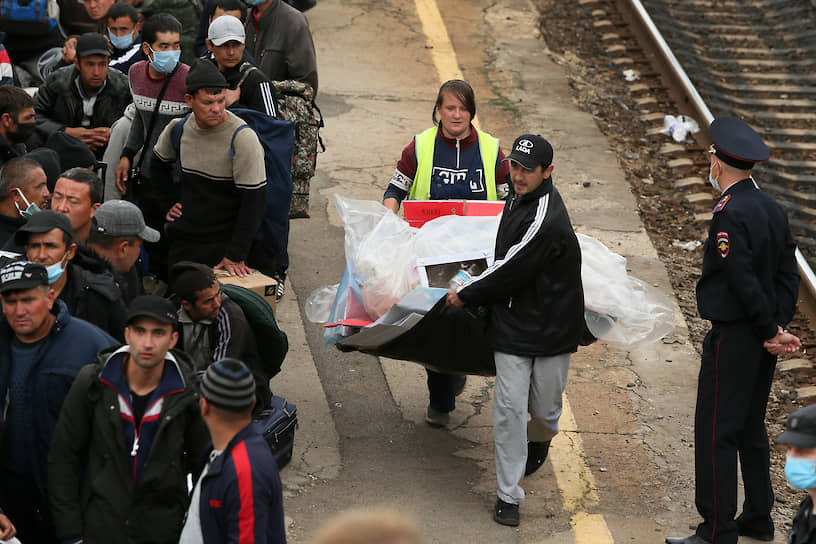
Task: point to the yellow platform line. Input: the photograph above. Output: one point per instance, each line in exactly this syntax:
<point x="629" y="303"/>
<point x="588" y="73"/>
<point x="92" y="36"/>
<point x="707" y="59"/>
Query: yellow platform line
<point x="439" y="42"/>
<point x="575" y="481"/>
<point x="566" y="453"/>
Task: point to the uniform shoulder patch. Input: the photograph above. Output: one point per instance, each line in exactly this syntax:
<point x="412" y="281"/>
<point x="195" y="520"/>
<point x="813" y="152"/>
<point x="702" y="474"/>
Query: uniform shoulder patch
<point x="721" y="204"/>
<point x="723" y="244"/>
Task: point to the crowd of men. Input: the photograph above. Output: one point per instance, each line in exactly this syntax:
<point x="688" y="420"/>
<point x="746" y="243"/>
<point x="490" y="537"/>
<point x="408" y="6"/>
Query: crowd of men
<point x="123" y="176"/>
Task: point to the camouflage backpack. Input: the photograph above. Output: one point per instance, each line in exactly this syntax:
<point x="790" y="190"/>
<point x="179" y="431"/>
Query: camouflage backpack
<point x="295" y="102"/>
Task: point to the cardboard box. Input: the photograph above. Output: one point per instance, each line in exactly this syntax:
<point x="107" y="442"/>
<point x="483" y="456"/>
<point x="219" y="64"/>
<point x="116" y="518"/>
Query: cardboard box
<point x="419" y="212"/>
<point x="263" y="285"/>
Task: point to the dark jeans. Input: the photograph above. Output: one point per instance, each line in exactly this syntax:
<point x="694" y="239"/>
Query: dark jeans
<point x="442" y="391"/>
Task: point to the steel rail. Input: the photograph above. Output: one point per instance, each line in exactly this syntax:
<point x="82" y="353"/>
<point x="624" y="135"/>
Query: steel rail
<point x="697" y="103"/>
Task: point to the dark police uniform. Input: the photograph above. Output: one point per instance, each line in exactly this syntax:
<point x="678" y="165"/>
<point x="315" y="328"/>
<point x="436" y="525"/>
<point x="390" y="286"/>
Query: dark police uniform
<point x="748" y="288"/>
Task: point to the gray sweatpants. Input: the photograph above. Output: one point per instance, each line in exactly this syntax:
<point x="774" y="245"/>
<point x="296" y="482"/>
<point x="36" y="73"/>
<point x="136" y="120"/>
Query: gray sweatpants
<point x="524" y="384"/>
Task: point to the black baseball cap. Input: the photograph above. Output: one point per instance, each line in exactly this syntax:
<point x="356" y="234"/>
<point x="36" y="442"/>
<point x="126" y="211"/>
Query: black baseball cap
<point x="43" y="221"/>
<point x="531" y="150"/>
<point x="800" y="428"/>
<point x="92" y="43"/>
<point x="21" y="275"/>
<point x="204" y="75"/>
<point x="159" y="308"/>
<point x="737" y="144"/>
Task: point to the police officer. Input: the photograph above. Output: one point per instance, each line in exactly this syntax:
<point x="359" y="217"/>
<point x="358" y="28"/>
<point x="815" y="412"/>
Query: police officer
<point x="747" y="289"/>
<point x="800" y="470"/>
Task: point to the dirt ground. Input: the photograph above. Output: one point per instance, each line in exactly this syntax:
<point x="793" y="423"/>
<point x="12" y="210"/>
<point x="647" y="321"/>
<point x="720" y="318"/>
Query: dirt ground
<point x="600" y="89"/>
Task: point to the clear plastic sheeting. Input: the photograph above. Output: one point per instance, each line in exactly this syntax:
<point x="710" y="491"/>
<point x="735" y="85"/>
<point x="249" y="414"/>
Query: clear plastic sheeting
<point x="319" y="303"/>
<point x="381" y="254"/>
<point x="378" y="253"/>
<point x="621" y="310"/>
<point x="382" y="249"/>
<point x="455" y="235"/>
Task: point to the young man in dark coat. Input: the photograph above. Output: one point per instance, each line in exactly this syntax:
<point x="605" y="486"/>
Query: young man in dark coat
<point x="536" y="302"/>
<point x="129" y="434"/>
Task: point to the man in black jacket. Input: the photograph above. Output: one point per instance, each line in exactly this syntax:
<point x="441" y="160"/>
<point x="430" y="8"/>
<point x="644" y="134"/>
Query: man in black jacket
<point x="80" y="278"/>
<point x="248" y="86"/>
<point x="212" y="326"/>
<point x="23" y="191"/>
<point x="536" y="302"/>
<point x="118" y="231"/>
<point x="16" y="121"/>
<point x="83" y="100"/>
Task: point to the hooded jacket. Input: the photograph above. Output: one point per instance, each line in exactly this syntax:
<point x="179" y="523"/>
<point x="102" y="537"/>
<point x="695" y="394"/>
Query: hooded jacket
<point x="534" y="287"/>
<point x="132" y="485"/>
<point x="70" y="344"/>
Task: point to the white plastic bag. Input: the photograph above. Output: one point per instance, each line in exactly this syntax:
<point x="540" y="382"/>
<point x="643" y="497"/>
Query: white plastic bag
<point x="319" y="303"/>
<point x="621" y="309"/>
<point x="378" y="253"/>
<point x="679" y="127"/>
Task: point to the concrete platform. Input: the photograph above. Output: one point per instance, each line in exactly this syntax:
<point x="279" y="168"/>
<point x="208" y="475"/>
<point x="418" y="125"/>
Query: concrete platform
<point x="362" y="439"/>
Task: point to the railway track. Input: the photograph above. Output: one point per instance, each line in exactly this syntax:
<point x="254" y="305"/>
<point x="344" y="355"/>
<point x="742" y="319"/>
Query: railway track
<point x="751" y="59"/>
<point x="748" y="59"/>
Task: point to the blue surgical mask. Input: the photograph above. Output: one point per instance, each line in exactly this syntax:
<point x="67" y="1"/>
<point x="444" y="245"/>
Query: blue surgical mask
<point x="54" y="272"/>
<point x="31" y="208"/>
<point x="255" y="2"/>
<point x="164" y="61"/>
<point x="801" y="473"/>
<point x="120" y="42"/>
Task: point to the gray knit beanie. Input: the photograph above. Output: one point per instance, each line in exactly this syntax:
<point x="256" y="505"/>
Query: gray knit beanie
<point x="228" y="384"/>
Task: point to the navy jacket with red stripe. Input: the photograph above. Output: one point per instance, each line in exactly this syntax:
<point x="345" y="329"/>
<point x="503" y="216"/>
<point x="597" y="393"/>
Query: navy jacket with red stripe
<point x="241" y="498"/>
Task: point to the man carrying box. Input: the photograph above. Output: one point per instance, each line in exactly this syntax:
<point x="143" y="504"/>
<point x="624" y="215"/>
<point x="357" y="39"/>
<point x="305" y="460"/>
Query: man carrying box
<point x="536" y="302"/>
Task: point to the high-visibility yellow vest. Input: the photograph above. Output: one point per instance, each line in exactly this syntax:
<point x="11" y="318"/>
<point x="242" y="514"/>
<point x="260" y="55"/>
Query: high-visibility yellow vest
<point x="425" y="142"/>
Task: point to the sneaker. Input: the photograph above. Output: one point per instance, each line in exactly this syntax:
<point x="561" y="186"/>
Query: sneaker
<point x="281" y="290"/>
<point x="436" y="418"/>
<point x="459" y="383"/>
<point x="506" y="513"/>
<point x="536" y="455"/>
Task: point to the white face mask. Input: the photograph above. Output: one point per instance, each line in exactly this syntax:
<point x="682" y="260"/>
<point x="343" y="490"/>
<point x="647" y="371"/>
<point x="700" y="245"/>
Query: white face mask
<point x="713" y="181"/>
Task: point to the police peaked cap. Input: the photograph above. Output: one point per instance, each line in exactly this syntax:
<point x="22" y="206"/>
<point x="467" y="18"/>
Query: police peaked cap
<point x="736" y="143"/>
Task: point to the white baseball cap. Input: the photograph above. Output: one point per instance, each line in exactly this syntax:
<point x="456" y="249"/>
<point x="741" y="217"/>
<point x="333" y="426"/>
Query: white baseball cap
<point x="226" y="29"/>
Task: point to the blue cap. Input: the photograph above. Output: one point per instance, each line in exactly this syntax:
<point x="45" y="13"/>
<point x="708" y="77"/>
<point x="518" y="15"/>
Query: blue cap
<point x="737" y="144"/>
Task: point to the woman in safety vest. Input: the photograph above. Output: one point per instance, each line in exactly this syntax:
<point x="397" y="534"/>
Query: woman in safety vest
<point x="445" y="162"/>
